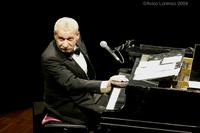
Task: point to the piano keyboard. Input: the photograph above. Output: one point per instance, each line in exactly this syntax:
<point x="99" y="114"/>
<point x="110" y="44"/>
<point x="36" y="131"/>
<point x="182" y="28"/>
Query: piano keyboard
<point x="117" y="99"/>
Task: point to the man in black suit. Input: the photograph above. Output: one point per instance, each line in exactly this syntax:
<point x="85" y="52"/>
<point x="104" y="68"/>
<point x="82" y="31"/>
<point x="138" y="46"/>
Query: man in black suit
<point x="69" y="79"/>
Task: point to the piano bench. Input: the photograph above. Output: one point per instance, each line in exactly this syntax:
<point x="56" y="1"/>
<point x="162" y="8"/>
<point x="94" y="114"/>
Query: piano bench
<point x="43" y="123"/>
<point x="64" y="128"/>
<point x="53" y="125"/>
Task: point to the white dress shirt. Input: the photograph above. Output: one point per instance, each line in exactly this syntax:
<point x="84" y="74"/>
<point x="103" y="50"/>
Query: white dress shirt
<point x="81" y="61"/>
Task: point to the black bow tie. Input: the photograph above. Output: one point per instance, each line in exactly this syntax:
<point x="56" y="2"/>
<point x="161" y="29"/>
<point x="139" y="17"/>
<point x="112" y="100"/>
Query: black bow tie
<point x="77" y="51"/>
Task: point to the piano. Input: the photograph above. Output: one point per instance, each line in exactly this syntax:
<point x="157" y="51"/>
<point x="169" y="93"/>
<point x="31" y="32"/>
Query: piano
<point x="156" y="107"/>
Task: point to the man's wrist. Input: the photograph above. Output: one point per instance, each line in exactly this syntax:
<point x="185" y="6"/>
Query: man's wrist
<point x="104" y="87"/>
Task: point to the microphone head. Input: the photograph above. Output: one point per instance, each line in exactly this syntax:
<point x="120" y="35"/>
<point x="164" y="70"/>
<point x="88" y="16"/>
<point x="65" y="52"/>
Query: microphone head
<point x="103" y="44"/>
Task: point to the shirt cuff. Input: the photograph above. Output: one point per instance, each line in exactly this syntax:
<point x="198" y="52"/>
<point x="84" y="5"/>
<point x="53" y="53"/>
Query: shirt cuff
<point x="103" y="87"/>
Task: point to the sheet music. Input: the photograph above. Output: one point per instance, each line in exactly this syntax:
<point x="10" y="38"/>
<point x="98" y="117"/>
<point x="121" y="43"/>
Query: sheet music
<point x="158" y="66"/>
<point x="113" y="98"/>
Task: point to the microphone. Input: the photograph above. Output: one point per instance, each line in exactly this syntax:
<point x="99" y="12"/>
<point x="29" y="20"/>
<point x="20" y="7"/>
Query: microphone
<point x="104" y="44"/>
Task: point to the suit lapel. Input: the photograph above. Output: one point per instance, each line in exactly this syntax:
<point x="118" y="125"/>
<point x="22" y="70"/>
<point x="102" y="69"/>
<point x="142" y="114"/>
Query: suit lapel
<point x="75" y="68"/>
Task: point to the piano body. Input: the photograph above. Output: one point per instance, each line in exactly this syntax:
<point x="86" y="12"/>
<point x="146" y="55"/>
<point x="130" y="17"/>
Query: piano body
<point x="147" y="107"/>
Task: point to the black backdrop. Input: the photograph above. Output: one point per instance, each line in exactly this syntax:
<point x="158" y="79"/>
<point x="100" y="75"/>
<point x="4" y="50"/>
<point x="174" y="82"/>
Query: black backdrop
<point x="28" y="30"/>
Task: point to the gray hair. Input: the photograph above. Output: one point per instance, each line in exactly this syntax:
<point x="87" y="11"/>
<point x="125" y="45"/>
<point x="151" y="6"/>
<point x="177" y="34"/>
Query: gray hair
<point x="66" y="23"/>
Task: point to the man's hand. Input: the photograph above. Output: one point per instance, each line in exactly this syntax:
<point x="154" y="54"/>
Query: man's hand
<point x="119" y="80"/>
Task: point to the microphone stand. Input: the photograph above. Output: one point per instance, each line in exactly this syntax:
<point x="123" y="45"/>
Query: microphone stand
<point x="127" y="44"/>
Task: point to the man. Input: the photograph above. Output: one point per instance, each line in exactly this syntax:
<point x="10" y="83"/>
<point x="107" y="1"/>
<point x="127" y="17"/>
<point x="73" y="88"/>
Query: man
<point x="69" y="84"/>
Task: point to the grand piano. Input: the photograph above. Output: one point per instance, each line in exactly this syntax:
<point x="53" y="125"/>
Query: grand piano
<point x="156" y="105"/>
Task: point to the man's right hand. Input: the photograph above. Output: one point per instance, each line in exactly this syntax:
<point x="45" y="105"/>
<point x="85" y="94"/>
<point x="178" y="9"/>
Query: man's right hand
<point x="119" y="80"/>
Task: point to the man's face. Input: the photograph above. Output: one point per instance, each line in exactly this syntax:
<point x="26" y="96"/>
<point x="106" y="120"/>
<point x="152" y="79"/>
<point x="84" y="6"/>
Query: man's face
<point x="66" y="40"/>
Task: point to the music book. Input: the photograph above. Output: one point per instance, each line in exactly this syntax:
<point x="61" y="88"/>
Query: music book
<point x="153" y="66"/>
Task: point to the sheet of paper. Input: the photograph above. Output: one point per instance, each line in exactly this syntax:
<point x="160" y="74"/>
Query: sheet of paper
<point x="158" y="74"/>
<point x="172" y="59"/>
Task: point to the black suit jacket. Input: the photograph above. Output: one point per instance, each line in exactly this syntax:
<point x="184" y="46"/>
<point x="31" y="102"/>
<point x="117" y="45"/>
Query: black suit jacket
<point x="68" y="91"/>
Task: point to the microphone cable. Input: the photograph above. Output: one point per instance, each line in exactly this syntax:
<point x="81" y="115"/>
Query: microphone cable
<point x="127" y="44"/>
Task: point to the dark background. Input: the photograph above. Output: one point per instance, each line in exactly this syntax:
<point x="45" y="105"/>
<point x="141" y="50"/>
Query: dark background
<point x="27" y="30"/>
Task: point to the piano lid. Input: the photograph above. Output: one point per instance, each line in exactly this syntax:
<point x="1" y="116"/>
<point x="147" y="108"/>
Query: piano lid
<point x="150" y="49"/>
